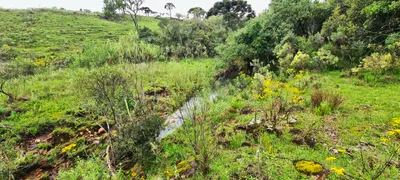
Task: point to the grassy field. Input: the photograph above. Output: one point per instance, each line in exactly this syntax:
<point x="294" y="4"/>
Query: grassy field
<point x="56" y="34"/>
<point x="264" y="126"/>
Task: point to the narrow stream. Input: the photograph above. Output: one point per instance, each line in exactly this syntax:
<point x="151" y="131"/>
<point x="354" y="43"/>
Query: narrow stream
<point x="176" y="119"/>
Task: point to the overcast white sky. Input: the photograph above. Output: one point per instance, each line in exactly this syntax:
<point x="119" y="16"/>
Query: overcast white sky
<point x="182" y="6"/>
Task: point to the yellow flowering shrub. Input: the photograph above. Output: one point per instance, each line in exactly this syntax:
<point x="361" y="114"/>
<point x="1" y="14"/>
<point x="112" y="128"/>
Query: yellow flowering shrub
<point x="68" y="148"/>
<point x="309" y="167"/>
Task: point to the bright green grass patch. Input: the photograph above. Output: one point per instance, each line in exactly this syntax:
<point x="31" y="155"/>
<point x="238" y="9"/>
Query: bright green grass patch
<point x="58" y="34"/>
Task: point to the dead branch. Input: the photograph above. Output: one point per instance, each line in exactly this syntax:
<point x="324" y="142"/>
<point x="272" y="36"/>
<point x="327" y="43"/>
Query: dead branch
<point x="109" y="162"/>
<point x="9" y="95"/>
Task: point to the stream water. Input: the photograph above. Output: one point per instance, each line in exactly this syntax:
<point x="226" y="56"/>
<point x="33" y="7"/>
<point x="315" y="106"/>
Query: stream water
<point x="176" y="119"/>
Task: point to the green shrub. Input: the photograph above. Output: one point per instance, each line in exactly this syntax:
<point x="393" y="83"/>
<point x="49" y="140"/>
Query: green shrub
<point x="93" y="168"/>
<point x="378" y="63"/>
<point x="285" y="56"/>
<point x="63" y="131"/>
<point x="325" y="59"/>
<point x="323" y="109"/>
<point x="44" y="146"/>
<point x="301" y="61"/>
<point x="237" y="140"/>
<point x="133" y="142"/>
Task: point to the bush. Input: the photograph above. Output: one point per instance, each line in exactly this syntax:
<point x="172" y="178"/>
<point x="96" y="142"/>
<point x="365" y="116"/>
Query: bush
<point x="378" y="63"/>
<point x="133" y="142"/>
<point x="192" y="38"/>
<point x="6" y="52"/>
<point x="325" y="59"/>
<point x="285" y="56"/>
<point x="324" y="102"/>
<point x="94" y="168"/>
<point x="301" y="61"/>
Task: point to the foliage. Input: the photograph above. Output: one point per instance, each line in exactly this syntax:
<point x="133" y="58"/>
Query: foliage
<point x="132" y="143"/>
<point x="301" y="61"/>
<point x="335" y="34"/>
<point x="93" y="168"/>
<point x="197" y="12"/>
<point x="325" y="59"/>
<point x="191" y="38"/>
<point x="127" y="50"/>
<point x="325" y="101"/>
<point x="378" y="63"/>
<point x="111" y="8"/>
<point x="234" y="12"/>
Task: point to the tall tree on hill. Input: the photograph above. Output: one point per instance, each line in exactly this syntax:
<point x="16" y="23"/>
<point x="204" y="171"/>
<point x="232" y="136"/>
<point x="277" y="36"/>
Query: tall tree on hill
<point x="169" y="6"/>
<point x="197" y="12"/>
<point x="133" y="8"/>
<point x="111" y="7"/>
<point x="234" y="12"/>
<point x="146" y="10"/>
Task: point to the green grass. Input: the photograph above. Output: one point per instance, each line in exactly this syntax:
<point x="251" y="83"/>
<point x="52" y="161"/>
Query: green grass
<point x="353" y="125"/>
<point x="56" y="34"/>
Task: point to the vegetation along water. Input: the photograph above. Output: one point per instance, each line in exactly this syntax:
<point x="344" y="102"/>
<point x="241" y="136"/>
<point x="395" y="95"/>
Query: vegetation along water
<point x="303" y="90"/>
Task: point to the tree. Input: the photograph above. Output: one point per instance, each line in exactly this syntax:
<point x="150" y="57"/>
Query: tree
<point x="133" y="8"/>
<point x="197" y="12"/>
<point x="110" y="9"/>
<point x="235" y="12"/>
<point x="179" y="15"/>
<point x="146" y="10"/>
<point x="169" y="6"/>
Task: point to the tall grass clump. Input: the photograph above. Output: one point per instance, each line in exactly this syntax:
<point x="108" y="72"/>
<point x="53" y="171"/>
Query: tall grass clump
<point x="128" y="49"/>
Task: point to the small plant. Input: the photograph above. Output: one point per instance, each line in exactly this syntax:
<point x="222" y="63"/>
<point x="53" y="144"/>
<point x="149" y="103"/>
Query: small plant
<point x="335" y="100"/>
<point x="238" y="140"/>
<point x="324" y="102"/>
<point x="63" y="131"/>
<point x="317" y="97"/>
<point x="323" y="109"/>
<point x="308" y="167"/>
<point x="44" y="146"/>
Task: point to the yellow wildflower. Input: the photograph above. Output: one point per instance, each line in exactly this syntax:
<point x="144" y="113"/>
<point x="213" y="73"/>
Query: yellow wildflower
<point x="342" y="151"/>
<point x="298" y="76"/>
<point x="339" y="171"/>
<point x="68" y="148"/>
<point x="268" y="92"/>
<point x="289" y="71"/>
<point x="330" y="158"/>
<point x="391" y="133"/>
<point x="267" y="83"/>
<point x="133" y="174"/>
<point x="394" y="132"/>
<point x="309" y="167"/>
<point x="396" y="122"/>
<point x="384" y="139"/>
